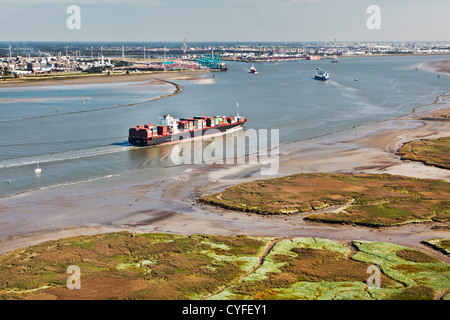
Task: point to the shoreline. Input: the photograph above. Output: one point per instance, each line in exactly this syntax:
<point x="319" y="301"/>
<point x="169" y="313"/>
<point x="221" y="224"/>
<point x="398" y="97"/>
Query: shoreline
<point x="168" y="206"/>
<point x="357" y="56"/>
<point x="177" y="212"/>
<point x="441" y="66"/>
<point x="103" y="78"/>
<point x="438" y="66"/>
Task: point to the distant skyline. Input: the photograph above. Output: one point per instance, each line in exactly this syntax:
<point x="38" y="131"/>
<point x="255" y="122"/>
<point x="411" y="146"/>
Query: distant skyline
<point x="224" y="20"/>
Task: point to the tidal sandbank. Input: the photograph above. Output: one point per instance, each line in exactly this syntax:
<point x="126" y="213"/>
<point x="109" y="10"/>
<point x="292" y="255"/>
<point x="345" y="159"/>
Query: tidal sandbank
<point x="169" y="203"/>
<point x="436" y="66"/>
<point x="103" y="78"/>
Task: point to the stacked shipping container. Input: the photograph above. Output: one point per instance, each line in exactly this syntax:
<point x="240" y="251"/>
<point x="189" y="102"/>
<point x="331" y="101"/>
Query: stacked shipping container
<point x="187" y="124"/>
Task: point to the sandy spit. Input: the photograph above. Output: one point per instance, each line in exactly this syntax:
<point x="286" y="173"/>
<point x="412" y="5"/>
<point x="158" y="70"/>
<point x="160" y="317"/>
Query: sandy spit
<point x="436" y="66"/>
<point x="113" y="78"/>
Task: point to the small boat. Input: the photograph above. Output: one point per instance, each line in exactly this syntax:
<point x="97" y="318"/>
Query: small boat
<point x="321" y="75"/>
<point x="356" y="79"/>
<point x="253" y="70"/>
<point x="38" y="170"/>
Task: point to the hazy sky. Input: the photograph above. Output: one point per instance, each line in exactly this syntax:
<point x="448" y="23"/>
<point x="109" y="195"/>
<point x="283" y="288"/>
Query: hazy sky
<point x="224" y="20"/>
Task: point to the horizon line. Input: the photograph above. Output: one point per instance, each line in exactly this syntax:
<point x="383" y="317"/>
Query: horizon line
<point x="217" y="41"/>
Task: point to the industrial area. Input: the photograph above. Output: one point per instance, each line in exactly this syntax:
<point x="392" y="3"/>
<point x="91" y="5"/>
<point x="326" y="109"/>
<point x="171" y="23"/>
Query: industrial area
<point x="32" y="59"/>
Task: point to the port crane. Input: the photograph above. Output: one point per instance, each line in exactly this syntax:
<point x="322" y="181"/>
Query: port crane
<point x="212" y="61"/>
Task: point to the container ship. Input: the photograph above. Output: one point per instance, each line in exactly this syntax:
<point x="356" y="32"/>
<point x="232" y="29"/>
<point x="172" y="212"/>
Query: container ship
<point x="173" y="130"/>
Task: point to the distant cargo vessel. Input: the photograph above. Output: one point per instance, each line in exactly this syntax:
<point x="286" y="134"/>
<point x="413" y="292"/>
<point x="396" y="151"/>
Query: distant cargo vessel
<point x="173" y="130"/>
<point x="223" y="66"/>
<point x="322" y="75"/>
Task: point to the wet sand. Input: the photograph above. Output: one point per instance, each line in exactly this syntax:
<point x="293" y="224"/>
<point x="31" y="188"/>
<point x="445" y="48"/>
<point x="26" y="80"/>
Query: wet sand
<point x="441" y="66"/>
<point x="103" y="78"/>
<point x="436" y="66"/>
<point x="168" y="204"/>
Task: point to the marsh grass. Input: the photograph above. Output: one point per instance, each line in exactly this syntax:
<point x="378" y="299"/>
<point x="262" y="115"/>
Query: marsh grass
<point x="125" y="266"/>
<point x="441" y="244"/>
<point x="435" y="152"/>
<point x="415" y="293"/>
<point x="308" y="268"/>
<point x="415" y="256"/>
<point x="379" y="200"/>
<point x="154" y="266"/>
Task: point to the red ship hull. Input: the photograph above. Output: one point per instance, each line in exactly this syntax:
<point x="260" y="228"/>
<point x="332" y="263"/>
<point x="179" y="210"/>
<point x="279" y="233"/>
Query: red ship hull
<point x="142" y="136"/>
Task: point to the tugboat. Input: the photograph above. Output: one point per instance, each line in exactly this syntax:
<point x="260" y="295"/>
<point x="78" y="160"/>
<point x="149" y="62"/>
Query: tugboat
<point x="253" y="70"/>
<point x="321" y="75"/>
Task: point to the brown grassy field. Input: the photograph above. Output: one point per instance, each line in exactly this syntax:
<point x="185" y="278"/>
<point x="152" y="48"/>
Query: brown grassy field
<point x="366" y="199"/>
<point x="122" y="266"/>
<point x="435" y="152"/>
<point x="169" y="267"/>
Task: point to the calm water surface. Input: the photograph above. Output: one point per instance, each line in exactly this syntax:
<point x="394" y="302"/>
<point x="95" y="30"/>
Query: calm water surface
<point x="79" y="132"/>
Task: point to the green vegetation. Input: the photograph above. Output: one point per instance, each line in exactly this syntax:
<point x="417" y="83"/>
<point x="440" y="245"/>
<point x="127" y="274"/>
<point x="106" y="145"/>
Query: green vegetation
<point x="168" y="266"/>
<point x="374" y="200"/>
<point x="405" y="265"/>
<point x="434" y="152"/>
<point x="310" y="268"/>
<point x="97" y="69"/>
<point x="124" y="266"/>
